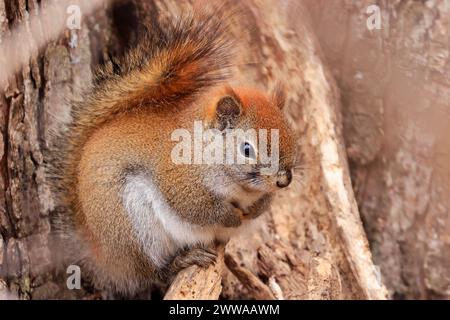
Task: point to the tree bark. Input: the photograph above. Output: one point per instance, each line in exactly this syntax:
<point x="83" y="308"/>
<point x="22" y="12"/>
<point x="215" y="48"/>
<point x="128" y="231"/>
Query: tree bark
<point x="33" y="104"/>
<point x="395" y="91"/>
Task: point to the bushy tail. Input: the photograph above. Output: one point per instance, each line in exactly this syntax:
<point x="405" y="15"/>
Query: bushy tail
<point x="171" y="62"/>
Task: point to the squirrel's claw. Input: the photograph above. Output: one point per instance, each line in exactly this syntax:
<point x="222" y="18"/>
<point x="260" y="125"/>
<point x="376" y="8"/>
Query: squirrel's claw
<point x="200" y="256"/>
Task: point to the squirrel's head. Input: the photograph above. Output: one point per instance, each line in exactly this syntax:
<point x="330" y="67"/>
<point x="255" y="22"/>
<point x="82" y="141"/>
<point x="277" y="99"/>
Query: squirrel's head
<point x="253" y="123"/>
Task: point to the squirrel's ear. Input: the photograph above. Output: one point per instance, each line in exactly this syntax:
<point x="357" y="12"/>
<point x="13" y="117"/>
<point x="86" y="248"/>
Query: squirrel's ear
<point x="279" y="96"/>
<point x="228" y="109"/>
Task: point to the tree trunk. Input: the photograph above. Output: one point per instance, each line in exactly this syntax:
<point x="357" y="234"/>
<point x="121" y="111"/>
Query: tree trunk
<point x="312" y="244"/>
<point x="33" y="104"/>
<point x="395" y="90"/>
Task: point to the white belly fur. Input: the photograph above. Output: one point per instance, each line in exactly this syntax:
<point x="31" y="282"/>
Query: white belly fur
<point x="158" y="228"/>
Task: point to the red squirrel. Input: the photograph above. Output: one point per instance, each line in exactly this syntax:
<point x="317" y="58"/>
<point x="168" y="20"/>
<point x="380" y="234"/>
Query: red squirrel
<point x="128" y="214"/>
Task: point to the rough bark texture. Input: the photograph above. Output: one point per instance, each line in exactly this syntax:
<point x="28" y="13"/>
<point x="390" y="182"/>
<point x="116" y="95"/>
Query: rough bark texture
<point x="32" y="105"/>
<point x="312" y="244"/>
<point x="395" y="90"/>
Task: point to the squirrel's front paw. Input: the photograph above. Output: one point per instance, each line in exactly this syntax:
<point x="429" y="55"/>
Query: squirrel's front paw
<point x="241" y="213"/>
<point x="200" y="256"/>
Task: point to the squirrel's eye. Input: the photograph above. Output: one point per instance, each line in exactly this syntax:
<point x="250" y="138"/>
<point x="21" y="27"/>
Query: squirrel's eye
<point x="248" y="151"/>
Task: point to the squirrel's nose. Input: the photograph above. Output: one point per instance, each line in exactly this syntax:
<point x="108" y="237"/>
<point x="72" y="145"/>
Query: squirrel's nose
<point x="284" y="178"/>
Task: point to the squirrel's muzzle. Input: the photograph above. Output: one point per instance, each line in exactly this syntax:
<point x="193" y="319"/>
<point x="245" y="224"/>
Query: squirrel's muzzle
<point x="284" y="178"/>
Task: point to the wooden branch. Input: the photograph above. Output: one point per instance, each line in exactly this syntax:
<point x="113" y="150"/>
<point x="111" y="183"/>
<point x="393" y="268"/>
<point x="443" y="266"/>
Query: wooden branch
<point x="255" y="286"/>
<point x="335" y="179"/>
<point x="196" y="283"/>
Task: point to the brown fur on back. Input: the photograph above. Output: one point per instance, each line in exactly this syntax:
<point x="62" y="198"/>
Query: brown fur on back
<point x="164" y="72"/>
